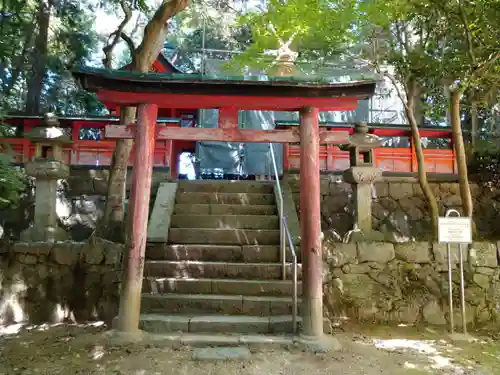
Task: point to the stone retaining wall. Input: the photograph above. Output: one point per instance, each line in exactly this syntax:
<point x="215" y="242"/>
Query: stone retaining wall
<point x="42" y="282"/>
<point x="83" y="181"/>
<point x="376" y="282"/>
<point x="399" y="206"/>
<point x="407" y="283"/>
<point x="81" y="201"/>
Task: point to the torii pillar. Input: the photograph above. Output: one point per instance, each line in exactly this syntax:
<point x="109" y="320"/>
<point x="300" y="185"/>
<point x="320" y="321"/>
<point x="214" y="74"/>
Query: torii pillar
<point x="310" y="225"/>
<point x="310" y="211"/>
<point x="135" y="247"/>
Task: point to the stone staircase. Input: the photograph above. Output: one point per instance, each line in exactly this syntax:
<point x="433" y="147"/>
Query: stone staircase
<point x="220" y="270"/>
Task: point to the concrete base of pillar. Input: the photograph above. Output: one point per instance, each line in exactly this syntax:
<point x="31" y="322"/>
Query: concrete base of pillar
<point x="312" y="318"/>
<point x="119" y="338"/>
<point x="44" y="234"/>
<point x="325" y="344"/>
<point x="462" y="337"/>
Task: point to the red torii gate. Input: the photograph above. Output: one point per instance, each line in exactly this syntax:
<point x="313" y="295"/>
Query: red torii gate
<point x="149" y="91"/>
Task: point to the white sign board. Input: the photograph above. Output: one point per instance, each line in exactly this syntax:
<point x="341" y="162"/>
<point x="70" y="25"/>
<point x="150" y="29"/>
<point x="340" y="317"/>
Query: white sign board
<point x="454" y="229"/>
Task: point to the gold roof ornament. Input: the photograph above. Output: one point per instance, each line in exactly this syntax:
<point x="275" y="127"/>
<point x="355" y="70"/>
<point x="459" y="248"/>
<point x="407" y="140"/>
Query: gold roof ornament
<point x="284" y="64"/>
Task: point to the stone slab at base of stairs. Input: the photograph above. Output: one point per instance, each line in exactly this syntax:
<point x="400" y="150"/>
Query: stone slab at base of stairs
<point x="251" y="341"/>
<point x="221" y="354"/>
<point x="223" y="340"/>
<point x="279" y="324"/>
<point x="176" y="339"/>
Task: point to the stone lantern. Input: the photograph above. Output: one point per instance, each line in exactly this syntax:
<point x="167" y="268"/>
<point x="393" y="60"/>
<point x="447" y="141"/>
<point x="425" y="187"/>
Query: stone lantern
<point x="362" y="174"/>
<point x="47" y="166"/>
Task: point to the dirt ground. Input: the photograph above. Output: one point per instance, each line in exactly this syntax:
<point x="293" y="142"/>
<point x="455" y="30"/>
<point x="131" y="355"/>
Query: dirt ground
<point x="72" y="349"/>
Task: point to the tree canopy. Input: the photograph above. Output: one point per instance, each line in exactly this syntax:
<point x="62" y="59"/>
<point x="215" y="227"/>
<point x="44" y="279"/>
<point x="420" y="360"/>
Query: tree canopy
<point x="40" y="40"/>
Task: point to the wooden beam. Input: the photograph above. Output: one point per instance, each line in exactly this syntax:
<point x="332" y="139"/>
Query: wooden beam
<point x="227" y="135"/>
<point x="191" y="101"/>
<point x="337" y="137"/>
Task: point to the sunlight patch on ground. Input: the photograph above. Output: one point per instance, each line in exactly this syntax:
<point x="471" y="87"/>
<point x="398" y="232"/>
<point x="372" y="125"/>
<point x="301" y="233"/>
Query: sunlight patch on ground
<point x="97" y="352"/>
<point x="421" y="346"/>
<point x="13" y="329"/>
<point x="9" y="304"/>
<point x="425" y="347"/>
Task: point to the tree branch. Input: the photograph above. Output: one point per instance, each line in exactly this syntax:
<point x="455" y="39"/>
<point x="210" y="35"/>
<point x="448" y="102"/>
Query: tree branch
<point x="402" y="97"/>
<point x="401" y="37"/>
<point x="127" y="39"/>
<point x="155" y="33"/>
<point x="468" y="35"/>
<point x="476" y="72"/>
<point x="116" y="35"/>
<point x="427" y="32"/>
<point x="486" y="65"/>
<point x="376" y="49"/>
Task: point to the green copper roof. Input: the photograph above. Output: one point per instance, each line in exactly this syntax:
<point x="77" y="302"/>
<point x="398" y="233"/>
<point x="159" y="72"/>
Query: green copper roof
<point x="320" y="77"/>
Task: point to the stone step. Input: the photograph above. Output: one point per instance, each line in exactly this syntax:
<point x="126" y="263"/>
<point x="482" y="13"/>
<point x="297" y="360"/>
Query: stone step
<point x="224" y="236"/>
<point x="217" y="340"/>
<point x="202" y="304"/>
<point x="217" y="253"/>
<point x="163" y="323"/>
<point x="219" y="286"/>
<point x="225" y="221"/>
<point x="225" y="209"/>
<point x="223" y="346"/>
<point x="224" y="198"/>
<point x="217" y="270"/>
<point x="225" y="187"/>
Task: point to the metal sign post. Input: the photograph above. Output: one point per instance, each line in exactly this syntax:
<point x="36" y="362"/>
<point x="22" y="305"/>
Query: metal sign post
<point x="455" y="230"/>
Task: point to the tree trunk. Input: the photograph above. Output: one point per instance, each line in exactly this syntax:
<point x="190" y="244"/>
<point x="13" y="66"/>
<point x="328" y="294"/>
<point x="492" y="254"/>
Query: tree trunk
<point x="458" y="144"/>
<point x="412" y="96"/>
<point x="39" y="59"/>
<point x="154" y="37"/>
<point x="155" y="32"/>
<point x="447" y="95"/>
<point x="111" y="226"/>
<point x="474" y="125"/>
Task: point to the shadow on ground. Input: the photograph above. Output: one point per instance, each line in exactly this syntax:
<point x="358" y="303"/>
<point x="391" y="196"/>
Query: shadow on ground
<point x="86" y="349"/>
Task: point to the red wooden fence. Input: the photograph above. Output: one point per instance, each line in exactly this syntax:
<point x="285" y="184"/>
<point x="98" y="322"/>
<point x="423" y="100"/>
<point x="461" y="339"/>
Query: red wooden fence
<point x="388" y="159"/>
<point x="99" y="152"/>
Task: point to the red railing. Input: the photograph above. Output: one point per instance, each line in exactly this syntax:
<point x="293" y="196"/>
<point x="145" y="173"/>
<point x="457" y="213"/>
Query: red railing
<point x="389" y="159"/>
<point x="82" y="152"/>
<point x="99" y="152"/>
<point x="86" y="153"/>
<point x="332" y="159"/>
